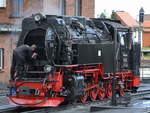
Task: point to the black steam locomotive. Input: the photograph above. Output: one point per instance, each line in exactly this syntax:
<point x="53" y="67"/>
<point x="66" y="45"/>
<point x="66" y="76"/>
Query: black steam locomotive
<point x="76" y="60"/>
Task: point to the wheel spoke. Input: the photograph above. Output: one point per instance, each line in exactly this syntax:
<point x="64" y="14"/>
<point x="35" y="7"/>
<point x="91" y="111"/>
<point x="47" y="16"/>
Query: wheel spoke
<point x="121" y="92"/>
<point x="109" y="91"/>
<point x="93" y="94"/>
<point x="84" y="97"/>
<point x="101" y="93"/>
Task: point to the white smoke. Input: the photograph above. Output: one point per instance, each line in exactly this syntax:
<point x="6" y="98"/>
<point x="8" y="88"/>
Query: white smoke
<point x="50" y="7"/>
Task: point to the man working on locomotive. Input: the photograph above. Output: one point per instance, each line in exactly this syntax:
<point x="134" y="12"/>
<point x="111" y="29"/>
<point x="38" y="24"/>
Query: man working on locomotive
<point x="22" y="56"/>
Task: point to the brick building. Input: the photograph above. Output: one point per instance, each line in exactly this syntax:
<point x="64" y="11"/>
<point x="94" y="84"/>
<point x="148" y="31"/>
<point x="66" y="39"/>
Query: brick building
<point x="13" y="11"/>
<point x="146" y="30"/>
<point x="144" y="19"/>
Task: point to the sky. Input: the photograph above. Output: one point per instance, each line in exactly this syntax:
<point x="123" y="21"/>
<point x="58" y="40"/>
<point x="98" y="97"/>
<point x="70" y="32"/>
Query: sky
<point x="130" y="6"/>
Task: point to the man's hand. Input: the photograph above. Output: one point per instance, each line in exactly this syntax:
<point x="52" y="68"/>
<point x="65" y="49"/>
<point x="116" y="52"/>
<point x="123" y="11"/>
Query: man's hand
<point x="34" y="55"/>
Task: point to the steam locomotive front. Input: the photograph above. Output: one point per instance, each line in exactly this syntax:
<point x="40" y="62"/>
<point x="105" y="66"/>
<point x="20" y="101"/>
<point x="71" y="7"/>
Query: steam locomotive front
<point x="43" y="82"/>
<point x="34" y="88"/>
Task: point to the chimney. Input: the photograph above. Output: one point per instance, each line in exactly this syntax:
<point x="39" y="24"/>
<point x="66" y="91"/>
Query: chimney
<point x="141" y="15"/>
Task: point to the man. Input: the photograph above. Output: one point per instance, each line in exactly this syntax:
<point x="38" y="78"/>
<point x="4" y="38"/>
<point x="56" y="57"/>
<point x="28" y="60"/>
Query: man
<point x="23" y="55"/>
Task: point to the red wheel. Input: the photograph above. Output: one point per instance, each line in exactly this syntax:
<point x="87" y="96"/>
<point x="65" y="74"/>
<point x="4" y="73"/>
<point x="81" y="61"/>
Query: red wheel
<point x="93" y="94"/>
<point x="109" y="91"/>
<point x="101" y="93"/>
<point x="84" y="97"/>
<point x="121" y="91"/>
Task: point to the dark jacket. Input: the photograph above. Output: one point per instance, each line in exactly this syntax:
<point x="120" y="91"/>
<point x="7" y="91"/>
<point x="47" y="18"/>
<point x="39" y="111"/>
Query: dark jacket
<point x="21" y="56"/>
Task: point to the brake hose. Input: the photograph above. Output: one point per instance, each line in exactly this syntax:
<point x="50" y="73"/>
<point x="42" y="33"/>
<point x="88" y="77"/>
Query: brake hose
<point x="33" y="103"/>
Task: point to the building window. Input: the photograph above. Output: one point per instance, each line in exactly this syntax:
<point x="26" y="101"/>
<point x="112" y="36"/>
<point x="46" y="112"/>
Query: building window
<point x="2" y="3"/>
<point x="16" y="8"/>
<point x="61" y="7"/>
<point x="1" y="58"/>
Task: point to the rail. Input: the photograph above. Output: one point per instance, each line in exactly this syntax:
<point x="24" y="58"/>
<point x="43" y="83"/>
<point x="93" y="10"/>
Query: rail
<point x="6" y="108"/>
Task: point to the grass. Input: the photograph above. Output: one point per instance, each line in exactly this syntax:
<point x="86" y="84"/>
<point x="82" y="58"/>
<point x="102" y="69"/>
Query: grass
<point x="146" y="48"/>
<point x="145" y="57"/>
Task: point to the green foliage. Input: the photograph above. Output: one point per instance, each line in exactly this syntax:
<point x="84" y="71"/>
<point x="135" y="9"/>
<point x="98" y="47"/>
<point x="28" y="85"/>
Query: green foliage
<point x="148" y="54"/>
<point x="113" y="15"/>
<point x="102" y="15"/>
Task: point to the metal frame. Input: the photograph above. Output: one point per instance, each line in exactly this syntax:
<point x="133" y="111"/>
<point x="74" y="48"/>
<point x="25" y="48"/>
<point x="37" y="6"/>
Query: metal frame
<point x="3" y="4"/>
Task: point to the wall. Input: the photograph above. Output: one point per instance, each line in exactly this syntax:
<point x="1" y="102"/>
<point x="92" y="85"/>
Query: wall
<point x="5" y="14"/>
<point x="88" y="8"/>
<point x="146" y="39"/>
<point x="69" y="7"/>
<point x="8" y="42"/>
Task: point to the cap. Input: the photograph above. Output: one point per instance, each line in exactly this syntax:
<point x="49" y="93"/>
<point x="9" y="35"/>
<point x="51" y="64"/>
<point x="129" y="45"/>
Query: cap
<point x="34" y="46"/>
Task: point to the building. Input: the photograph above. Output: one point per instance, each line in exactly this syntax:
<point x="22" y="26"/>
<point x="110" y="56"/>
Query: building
<point x="13" y="11"/>
<point x="146" y="30"/>
<point x="144" y="20"/>
<point x="126" y="19"/>
<point x="146" y="33"/>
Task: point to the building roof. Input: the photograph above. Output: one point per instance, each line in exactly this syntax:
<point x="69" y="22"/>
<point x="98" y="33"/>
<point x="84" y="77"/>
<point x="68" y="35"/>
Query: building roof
<point x="146" y="26"/>
<point x="126" y="18"/>
<point x="146" y="17"/>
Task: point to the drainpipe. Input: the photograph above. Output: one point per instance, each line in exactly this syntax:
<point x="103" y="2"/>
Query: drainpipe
<point x="77" y="7"/>
<point x="61" y="7"/>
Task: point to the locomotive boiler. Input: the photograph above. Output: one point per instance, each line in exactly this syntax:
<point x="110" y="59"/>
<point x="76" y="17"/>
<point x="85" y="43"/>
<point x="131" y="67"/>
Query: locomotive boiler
<point x="75" y="61"/>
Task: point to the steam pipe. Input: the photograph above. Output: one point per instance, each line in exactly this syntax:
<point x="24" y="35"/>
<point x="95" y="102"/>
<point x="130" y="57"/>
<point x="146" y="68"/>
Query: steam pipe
<point x="114" y="103"/>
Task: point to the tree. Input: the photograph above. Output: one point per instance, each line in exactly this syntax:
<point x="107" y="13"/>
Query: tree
<point x="113" y="15"/>
<point x="102" y="15"/>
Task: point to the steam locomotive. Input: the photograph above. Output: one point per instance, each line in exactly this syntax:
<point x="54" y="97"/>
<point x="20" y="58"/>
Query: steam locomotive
<point x="76" y="61"/>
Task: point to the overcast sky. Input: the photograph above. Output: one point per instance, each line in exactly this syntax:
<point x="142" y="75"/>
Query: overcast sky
<point x="131" y="6"/>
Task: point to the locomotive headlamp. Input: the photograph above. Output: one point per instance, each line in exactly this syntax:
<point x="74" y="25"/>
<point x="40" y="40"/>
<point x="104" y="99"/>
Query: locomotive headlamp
<point x="38" y="17"/>
<point x="47" y="68"/>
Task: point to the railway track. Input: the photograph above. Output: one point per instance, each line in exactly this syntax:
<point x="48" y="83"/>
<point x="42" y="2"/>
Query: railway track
<point x="141" y="93"/>
<point x="11" y="109"/>
<point x="7" y="108"/>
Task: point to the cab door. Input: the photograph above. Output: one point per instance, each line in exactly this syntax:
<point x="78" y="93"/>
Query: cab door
<point x="123" y="51"/>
